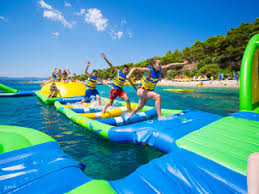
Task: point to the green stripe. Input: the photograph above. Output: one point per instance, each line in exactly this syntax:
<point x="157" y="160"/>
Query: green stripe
<point x="228" y="141"/>
<point x="89" y="124"/>
<point x="14" y="138"/>
<point x="94" y="187"/>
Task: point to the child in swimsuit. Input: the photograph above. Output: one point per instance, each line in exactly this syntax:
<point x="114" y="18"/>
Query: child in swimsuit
<point x="117" y="85"/>
<point x="53" y="89"/>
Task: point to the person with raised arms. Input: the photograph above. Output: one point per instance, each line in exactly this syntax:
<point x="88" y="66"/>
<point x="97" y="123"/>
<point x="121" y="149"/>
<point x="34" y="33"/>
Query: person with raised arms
<point x="117" y="85"/>
<point x="91" y="86"/>
<point x="152" y="75"/>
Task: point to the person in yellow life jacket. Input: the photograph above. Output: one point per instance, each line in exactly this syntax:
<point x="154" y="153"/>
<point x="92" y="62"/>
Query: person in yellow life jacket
<point x="58" y="75"/>
<point x="64" y="75"/>
<point x="73" y="78"/>
<point x="117" y="85"/>
<point x="91" y="86"/>
<point x="152" y="75"/>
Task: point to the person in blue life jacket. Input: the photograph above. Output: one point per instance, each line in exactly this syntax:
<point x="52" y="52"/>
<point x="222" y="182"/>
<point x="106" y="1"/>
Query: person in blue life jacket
<point x="53" y="90"/>
<point x="117" y="85"/>
<point x="152" y="75"/>
<point x="91" y="86"/>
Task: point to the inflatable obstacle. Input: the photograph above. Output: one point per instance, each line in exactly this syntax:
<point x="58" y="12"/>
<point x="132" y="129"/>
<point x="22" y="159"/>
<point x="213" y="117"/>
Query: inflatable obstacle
<point x="68" y="89"/>
<point x="10" y="92"/>
<point x="178" y="90"/>
<point x="249" y="77"/>
<point x="206" y="153"/>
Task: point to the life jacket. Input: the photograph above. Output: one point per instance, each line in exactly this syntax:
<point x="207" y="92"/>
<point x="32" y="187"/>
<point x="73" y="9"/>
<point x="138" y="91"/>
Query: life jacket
<point x="58" y="75"/>
<point x="53" y="88"/>
<point x="54" y="76"/>
<point x="119" y="80"/>
<point x="73" y="79"/>
<point x="64" y="75"/>
<point x="91" y="82"/>
<point x="149" y="83"/>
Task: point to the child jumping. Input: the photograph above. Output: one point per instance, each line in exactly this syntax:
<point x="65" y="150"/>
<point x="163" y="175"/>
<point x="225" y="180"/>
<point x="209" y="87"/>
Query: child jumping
<point x="148" y="83"/>
<point x="117" y="85"/>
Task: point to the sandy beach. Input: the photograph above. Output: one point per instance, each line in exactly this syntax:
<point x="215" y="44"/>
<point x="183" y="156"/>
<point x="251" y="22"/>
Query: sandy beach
<point x="214" y="83"/>
<point x="164" y="82"/>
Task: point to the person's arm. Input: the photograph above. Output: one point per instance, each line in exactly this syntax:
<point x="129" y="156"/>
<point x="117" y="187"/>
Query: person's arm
<point x="55" y="70"/>
<point x="132" y="84"/>
<point x="68" y="72"/>
<point x="109" y="63"/>
<point x="105" y="83"/>
<point x="174" y="64"/>
<point x="86" y="69"/>
<point x="145" y="70"/>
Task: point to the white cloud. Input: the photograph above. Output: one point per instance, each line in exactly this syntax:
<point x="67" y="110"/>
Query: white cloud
<point x="56" y="15"/>
<point x="3" y="18"/>
<point x="119" y="34"/>
<point x="94" y="16"/>
<point x="67" y="4"/>
<point x="116" y="35"/>
<point x="44" y="5"/>
<point x="55" y="34"/>
<point x="82" y="11"/>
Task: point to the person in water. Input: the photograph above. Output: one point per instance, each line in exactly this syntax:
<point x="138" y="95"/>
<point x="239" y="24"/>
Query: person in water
<point x="64" y="75"/>
<point x="53" y="89"/>
<point x="152" y="75"/>
<point x="91" y="86"/>
<point x="117" y="85"/>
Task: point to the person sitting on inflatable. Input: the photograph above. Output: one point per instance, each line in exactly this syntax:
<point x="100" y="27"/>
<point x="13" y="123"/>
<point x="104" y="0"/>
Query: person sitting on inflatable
<point x="148" y="83"/>
<point x="64" y="75"/>
<point x="53" y="89"/>
<point x="91" y="86"/>
<point x="117" y="85"/>
<point x="52" y="78"/>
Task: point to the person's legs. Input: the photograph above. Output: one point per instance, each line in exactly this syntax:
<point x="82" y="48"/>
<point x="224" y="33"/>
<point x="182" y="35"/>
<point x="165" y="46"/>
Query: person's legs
<point x="142" y="101"/>
<point x="253" y="173"/>
<point x="86" y="96"/>
<point x="107" y="105"/>
<point x="126" y="98"/>
<point x="113" y="95"/>
<point x="157" y="98"/>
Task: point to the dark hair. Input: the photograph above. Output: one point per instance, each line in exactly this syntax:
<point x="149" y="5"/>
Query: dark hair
<point x="94" y="71"/>
<point x="153" y="61"/>
<point x="125" y="66"/>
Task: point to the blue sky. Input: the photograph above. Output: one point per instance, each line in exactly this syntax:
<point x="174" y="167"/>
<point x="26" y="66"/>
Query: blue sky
<point x="38" y="35"/>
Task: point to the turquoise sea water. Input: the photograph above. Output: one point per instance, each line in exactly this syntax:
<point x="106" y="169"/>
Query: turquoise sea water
<point x="104" y="159"/>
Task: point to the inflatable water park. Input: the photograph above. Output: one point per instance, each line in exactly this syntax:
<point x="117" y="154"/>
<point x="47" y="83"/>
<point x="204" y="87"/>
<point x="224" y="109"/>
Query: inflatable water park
<point x="204" y="152"/>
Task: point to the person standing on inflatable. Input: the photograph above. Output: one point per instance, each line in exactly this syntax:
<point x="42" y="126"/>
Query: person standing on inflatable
<point x="148" y="83"/>
<point x="91" y="86"/>
<point x="117" y="85"/>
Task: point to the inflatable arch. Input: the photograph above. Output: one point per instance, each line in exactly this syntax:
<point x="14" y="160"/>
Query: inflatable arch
<point x="249" y="77"/>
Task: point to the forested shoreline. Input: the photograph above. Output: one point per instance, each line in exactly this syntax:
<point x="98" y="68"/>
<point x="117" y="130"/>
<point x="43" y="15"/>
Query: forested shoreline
<point x="221" y="53"/>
